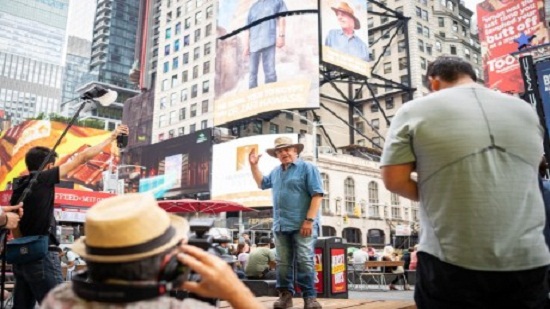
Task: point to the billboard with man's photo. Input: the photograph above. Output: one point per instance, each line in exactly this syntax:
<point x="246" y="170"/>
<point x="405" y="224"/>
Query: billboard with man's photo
<point x="267" y="61"/>
<point x="500" y="22"/>
<point x="345" y="35"/>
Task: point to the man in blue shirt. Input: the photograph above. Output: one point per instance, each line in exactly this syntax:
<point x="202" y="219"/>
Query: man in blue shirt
<point x="297" y="192"/>
<point x="260" y="40"/>
<point x="345" y="40"/>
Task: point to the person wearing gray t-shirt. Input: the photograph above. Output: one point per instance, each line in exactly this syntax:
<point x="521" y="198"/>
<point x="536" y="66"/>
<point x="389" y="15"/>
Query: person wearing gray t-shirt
<point x="476" y="154"/>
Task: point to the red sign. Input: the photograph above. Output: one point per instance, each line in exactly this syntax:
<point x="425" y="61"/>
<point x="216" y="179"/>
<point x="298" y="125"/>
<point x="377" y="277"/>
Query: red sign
<point x="319" y="270"/>
<point x="500" y="23"/>
<point x="338" y="270"/>
<point x="66" y="197"/>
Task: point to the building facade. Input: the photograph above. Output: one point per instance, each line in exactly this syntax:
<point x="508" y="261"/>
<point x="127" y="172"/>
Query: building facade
<point x="32" y="40"/>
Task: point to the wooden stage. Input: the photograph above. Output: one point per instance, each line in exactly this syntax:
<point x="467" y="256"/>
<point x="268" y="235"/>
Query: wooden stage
<point x="335" y="303"/>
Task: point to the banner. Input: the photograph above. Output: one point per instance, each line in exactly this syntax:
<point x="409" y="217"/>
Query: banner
<point x="16" y="141"/>
<point x="66" y="197"/>
<point x="500" y="23"/>
<point x="269" y="66"/>
<point x="543" y="74"/>
<point x="231" y="176"/>
<point x="338" y="270"/>
<point x="319" y="271"/>
<point x="345" y="35"/>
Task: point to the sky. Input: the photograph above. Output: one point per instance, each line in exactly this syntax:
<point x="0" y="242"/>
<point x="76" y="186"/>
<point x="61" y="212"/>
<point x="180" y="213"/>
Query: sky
<point x="471" y="4"/>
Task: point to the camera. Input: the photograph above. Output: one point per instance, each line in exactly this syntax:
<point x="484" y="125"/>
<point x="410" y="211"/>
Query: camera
<point x="122" y="140"/>
<point x="202" y="238"/>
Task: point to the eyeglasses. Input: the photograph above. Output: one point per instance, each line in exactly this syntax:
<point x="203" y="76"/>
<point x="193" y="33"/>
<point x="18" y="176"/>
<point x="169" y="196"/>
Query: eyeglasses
<point x="281" y="150"/>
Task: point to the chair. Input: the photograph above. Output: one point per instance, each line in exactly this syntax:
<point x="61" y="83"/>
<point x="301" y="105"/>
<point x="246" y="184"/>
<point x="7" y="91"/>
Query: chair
<point x="372" y="274"/>
<point x="352" y="277"/>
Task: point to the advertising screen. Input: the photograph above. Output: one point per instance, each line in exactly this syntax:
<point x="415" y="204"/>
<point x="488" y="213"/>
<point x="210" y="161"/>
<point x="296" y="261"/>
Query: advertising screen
<point x="16" y="141"/>
<point x="231" y="176"/>
<point x="271" y="63"/>
<point x="543" y="74"/>
<point x="500" y="23"/>
<point x="177" y="166"/>
<point x="345" y="35"/>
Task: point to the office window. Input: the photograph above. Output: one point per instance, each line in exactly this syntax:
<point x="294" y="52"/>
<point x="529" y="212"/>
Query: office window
<point x="418" y="12"/>
<point x="421" y="45"/>
<point x="194" y="91"/>
<point x="196" y="53"/>
<point x="175" y="63"/>
<point x="419" y="28"/>
<point x="162" y="121"/>
<point x="204" y="107"/>
<point x="206" y="86"/>
<point x="189" y="5"/>
<point x="176" y="45"/>
<point x="273" y="128"/>
<point x="195" y="71"/>
<point x="192" y="128"/>
<point x="204" y="124"/>
<point x="167" y="50"/>
<point x="173" y="98"/>
<point x="208" y="30"/>
<point x="438" y="46"/>
<point x="197" y="35"/>
<point x="182" y="113"/>
<point x="185" y="59"/>
<point x="206" y="67"/>
<point x="425" y="15"/>
<point x="181" y="131"/>
<point x="207" y="49"/>
<point x="184" y="76"/>
<point x="163" y="103"/>
<point x="389" y="103"/>
<point x="173" y="118"/>
<point x="178" y="12"/>
<point x="401" y="46"/>
<point x="441" y="21"/>
<point x="174" y="80"/>
<point x="187" y="23"/>
<point x="426" y="32"/>
<point x="404" y="80"/>
<point x="166" y="67"/>
<point x="177" y="28"/>
<point x="193" y="110"/>
<point x="453" y="50"/>
<point x="455" y="26"/>
<point x="171" y="133"/>
<point x="375" y="123"/>
<point x="183" y="96"/>
<point x="186" y="41"/>
<point x="209" y="12"/>
<point x="165" y="84"/>
<point x="402" y="63"/>
<point x="289" y="130"/>
<point x="376" y="142"/>
<point x="387" y="68"/>
<point x="466" y="53"/>
<point x="198" y="17"/>
<point x="168" y="33"/>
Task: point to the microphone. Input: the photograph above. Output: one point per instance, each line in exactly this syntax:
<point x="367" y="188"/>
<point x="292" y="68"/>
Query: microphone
<point x="122" y="140"/>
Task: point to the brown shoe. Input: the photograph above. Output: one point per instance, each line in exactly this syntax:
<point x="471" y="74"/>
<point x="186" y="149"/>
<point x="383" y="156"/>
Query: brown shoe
<point x="284" y="301"/>
<point x="311" y="303"/>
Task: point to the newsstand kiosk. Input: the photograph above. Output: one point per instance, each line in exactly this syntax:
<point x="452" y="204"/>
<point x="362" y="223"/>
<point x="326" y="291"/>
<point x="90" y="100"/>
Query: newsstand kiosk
<point x="331" y="267"/>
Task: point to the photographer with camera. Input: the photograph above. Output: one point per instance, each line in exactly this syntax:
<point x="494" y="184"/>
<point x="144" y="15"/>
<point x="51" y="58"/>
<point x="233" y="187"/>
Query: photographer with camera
<point x="134" y="253"/>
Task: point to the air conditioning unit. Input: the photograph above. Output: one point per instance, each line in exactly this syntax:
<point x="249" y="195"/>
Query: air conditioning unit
<point x="324" y="150"/>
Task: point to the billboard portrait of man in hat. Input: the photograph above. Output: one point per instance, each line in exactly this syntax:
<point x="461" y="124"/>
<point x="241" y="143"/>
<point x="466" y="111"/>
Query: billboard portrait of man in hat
<point x="297" y="191"/>
<point x="345" y="39"/>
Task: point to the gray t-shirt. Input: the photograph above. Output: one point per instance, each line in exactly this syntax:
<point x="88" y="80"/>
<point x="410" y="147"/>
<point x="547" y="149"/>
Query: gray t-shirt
<point x="480" y="204"/>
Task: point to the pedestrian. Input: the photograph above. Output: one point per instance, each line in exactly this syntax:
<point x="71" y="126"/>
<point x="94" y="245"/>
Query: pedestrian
<point x="261" y="262"/>
<point x="297" y="192"/>
<point x="476" y="154"/>
<point x="39" y="219"/>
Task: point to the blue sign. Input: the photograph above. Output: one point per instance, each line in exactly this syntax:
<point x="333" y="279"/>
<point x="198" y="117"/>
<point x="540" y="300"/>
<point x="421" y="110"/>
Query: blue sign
<point x="543" y="77"/>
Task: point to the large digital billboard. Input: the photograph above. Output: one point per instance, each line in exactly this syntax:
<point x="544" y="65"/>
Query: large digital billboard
<point x="266" y="60"/>
<point x="500" y="23"/>
<point x="177" y="166"/>
<point x="231" y="176"/>
<point x="345" y="35"/>
<point x="543" y="75"/>
<point x="16" y="141"/>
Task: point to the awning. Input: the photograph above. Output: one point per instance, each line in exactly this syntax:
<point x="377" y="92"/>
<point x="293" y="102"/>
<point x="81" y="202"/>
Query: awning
<point x="66" y="197"/>
<point x="205" y="206"/>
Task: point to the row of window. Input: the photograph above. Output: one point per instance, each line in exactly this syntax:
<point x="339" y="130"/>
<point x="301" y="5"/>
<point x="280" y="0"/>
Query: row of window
<point x="181" y="131"/>
<point x="185" y="60"/>
<point x="186" y="40"/>
<point x="209" y="12"/>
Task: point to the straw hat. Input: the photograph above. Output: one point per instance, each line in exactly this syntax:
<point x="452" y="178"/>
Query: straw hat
<point x="346" y="9"/>
<point x="284" y="142"/>
<point x="128" y="228"/>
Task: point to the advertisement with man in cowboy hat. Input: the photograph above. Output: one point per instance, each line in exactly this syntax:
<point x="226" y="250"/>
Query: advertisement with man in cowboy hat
<point x="297" y="192"/>
<point x="345" y="36"/>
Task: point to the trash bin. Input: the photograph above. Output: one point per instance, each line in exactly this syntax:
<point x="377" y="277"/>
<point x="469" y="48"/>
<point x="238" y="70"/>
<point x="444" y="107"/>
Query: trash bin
<point x="331" y="267"/>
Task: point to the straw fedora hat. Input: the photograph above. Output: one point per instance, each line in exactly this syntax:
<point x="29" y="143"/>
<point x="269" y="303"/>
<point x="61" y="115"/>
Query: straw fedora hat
<point x="129" y="228"/>
<point x="284" y="142"/>
<point x="346" y="9"/>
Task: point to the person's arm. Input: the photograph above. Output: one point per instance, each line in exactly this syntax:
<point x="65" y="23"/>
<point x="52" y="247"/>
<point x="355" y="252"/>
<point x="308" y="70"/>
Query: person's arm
<point x="10" y="219"/>
<point x="246" y="43"/>
<point x="218" y="279"/>
<point x="281" y="26"/>
<point x="397" y="179"/>
<point x="91" y="152"/>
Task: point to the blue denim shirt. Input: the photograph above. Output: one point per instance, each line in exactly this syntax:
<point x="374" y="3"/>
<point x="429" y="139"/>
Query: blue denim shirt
<point x="292" y="191"/>
<point x="265" y="34"/>
<point x="353" y="45"/>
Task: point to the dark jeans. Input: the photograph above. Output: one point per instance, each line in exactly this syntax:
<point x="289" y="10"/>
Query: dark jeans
<point x="34" y="280"/>
<point x="268" y="61"/>
<point x="443" y="285"/>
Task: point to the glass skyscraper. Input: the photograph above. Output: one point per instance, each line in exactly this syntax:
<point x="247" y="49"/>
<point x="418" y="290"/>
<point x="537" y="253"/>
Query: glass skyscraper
<point x="32" y="37"/>
<point x="114" y="41"/>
